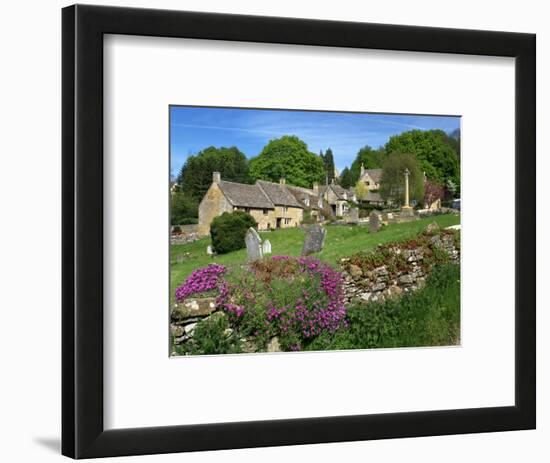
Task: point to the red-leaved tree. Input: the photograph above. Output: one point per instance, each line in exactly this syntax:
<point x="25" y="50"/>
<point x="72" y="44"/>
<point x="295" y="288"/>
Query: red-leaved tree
<point x="432" y="192"/>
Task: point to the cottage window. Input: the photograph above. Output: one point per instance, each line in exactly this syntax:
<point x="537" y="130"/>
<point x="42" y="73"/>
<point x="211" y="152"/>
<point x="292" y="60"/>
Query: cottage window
<point x="247" y="209"/>
<point x="265" y="211"/>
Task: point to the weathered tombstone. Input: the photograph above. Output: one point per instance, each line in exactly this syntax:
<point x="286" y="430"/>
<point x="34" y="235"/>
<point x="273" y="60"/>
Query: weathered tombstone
<point x="353" y="215"/>
<point x="374" y="222"/>
<point x="253" y="245"/>
<point x="266" y="247"/>
<point x="314" y="240"/>
<point x="432" y="228"/>
<point x="209" y="250"/>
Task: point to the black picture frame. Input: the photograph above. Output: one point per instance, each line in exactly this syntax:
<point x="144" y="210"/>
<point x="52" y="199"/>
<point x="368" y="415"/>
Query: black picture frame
<point x="83" y="434"/>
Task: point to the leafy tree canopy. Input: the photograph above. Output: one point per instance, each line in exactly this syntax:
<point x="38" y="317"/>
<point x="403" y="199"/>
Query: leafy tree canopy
<point x="346" y="178"/>
<point x="196" y="174"/>
<point x="288" y="157"/>
<point x="392" y="183"/>
<point x="183" y="206"/>
<point x="361" y="190"/>
<point x="434" y="150"/>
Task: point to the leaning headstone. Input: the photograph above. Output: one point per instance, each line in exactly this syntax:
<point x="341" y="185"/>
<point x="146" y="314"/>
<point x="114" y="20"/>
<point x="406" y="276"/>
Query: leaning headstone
<point x="209" y="250"/>
<point x="253" y="245"/>
<point x="432" y="228"/>
<point x="314" y="240"/>
<point x="266" y="247"/>
<point x="374" y="222"/>
<point x="353" y="215"/>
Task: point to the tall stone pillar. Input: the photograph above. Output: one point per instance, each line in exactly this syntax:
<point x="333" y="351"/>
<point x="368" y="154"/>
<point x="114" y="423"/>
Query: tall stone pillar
<point x="406" y="209"/>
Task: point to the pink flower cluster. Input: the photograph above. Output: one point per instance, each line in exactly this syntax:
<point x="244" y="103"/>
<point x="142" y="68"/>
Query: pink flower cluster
<point x="233" y="310"/>
<point x="200" y="281"/>
<point x="312" y="314"/>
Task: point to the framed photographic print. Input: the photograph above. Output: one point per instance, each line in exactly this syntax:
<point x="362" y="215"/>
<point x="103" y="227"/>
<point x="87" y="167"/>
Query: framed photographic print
<point x="283" y="231"/>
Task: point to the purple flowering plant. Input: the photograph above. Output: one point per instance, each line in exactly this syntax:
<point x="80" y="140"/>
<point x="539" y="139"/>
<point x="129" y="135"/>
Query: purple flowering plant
<point x="202" y="280"/>
<point x="295" y="299"/>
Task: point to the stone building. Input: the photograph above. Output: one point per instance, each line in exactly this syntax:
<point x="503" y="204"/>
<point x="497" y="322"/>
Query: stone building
<point x="370" y="177"/>
<point x="310" y="201"/>
<point x="271" y="204"/>
<point x="336" y="197"/>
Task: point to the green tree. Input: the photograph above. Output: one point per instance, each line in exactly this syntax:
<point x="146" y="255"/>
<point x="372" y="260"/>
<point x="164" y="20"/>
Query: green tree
<point x="436" y="153"/>
<point x="392" y="183"/>
<point x="195" y="176"/>
<point x="370" y="159"/>
<point x="328" y="160"/>
<point x="183" y="206"/>
<point x="288" y="157"/>
<point x="361" y="190"/>
<point x="346" y="178"/>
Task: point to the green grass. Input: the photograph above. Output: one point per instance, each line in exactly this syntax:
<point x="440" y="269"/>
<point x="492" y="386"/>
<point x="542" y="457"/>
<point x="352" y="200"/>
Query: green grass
<point x="341" y="241"/>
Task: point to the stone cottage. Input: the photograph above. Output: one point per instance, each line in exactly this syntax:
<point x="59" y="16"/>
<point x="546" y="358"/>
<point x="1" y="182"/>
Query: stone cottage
<point x="336" y="197"/>
<point x="370" y="177"/>
<point x="271" y="204"/>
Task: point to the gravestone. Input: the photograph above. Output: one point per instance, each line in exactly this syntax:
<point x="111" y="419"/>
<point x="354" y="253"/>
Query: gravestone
<point x="266" y="247"/>
<point x="314" y="240"/>
<point x="432" y="228"/>
<point x="209" y="250"/>
<point x="374" y="222"/>
<point x="253" y="245"/>
<point x="353" y="215"/>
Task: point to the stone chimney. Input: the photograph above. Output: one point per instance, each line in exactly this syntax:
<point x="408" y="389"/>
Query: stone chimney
<point x="282" y="180"/>
<point x="316" y="188"/>
<point x="362" y="170"/>
<point x="216" y="177"/>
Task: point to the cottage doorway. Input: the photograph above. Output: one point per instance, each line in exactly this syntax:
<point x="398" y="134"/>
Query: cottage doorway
<point x="279" y="222"/>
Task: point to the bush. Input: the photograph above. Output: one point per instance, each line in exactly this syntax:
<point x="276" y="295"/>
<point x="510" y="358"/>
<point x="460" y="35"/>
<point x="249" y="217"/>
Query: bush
<point x="176" y="229"/>
<point x="211" y="336"/>
<point x="202" y="280"/>
<point x="308" y="219"/>
<point x="295" y="299"/>
<point x="228" y="230"/>
<point x="188" y="221"/>
<point x="183" y="207"/>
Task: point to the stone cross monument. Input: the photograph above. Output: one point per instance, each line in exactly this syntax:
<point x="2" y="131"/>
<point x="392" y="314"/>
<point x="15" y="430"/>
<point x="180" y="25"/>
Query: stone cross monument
<point x="407" y="209"/>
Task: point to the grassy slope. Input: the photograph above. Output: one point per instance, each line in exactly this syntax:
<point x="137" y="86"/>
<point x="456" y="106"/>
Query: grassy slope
<point x="341" y="241"/>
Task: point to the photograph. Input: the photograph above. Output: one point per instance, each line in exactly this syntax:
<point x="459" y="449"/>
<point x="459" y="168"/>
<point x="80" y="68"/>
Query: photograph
<point x="299" y="230"/>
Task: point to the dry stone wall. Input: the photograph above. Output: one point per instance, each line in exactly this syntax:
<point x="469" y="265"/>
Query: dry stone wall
<point x="392" y="270"/>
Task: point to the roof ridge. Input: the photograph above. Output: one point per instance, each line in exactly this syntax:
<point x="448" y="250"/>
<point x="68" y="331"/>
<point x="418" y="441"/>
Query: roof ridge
<point x="236" y="183"/>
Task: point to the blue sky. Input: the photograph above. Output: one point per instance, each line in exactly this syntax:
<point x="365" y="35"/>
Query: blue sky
<point x="195" y="128"/>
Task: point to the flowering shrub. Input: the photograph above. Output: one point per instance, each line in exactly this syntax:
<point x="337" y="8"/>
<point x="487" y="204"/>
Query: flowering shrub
<point x="296" y="299"/>
<point x="200" y="281"/>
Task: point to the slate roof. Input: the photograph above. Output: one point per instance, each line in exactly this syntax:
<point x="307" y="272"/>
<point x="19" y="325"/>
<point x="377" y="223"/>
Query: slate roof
<point x="375" y="174"/>
<point x="338" y="191"/>
<point x="374" y="197"/>
<point x="301" y="193"/>
<point x="243" y="195"/>
<point x="278" y="194"/>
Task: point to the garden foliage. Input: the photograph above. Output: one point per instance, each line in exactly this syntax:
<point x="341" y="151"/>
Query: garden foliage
<point x="229" y="229"/>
